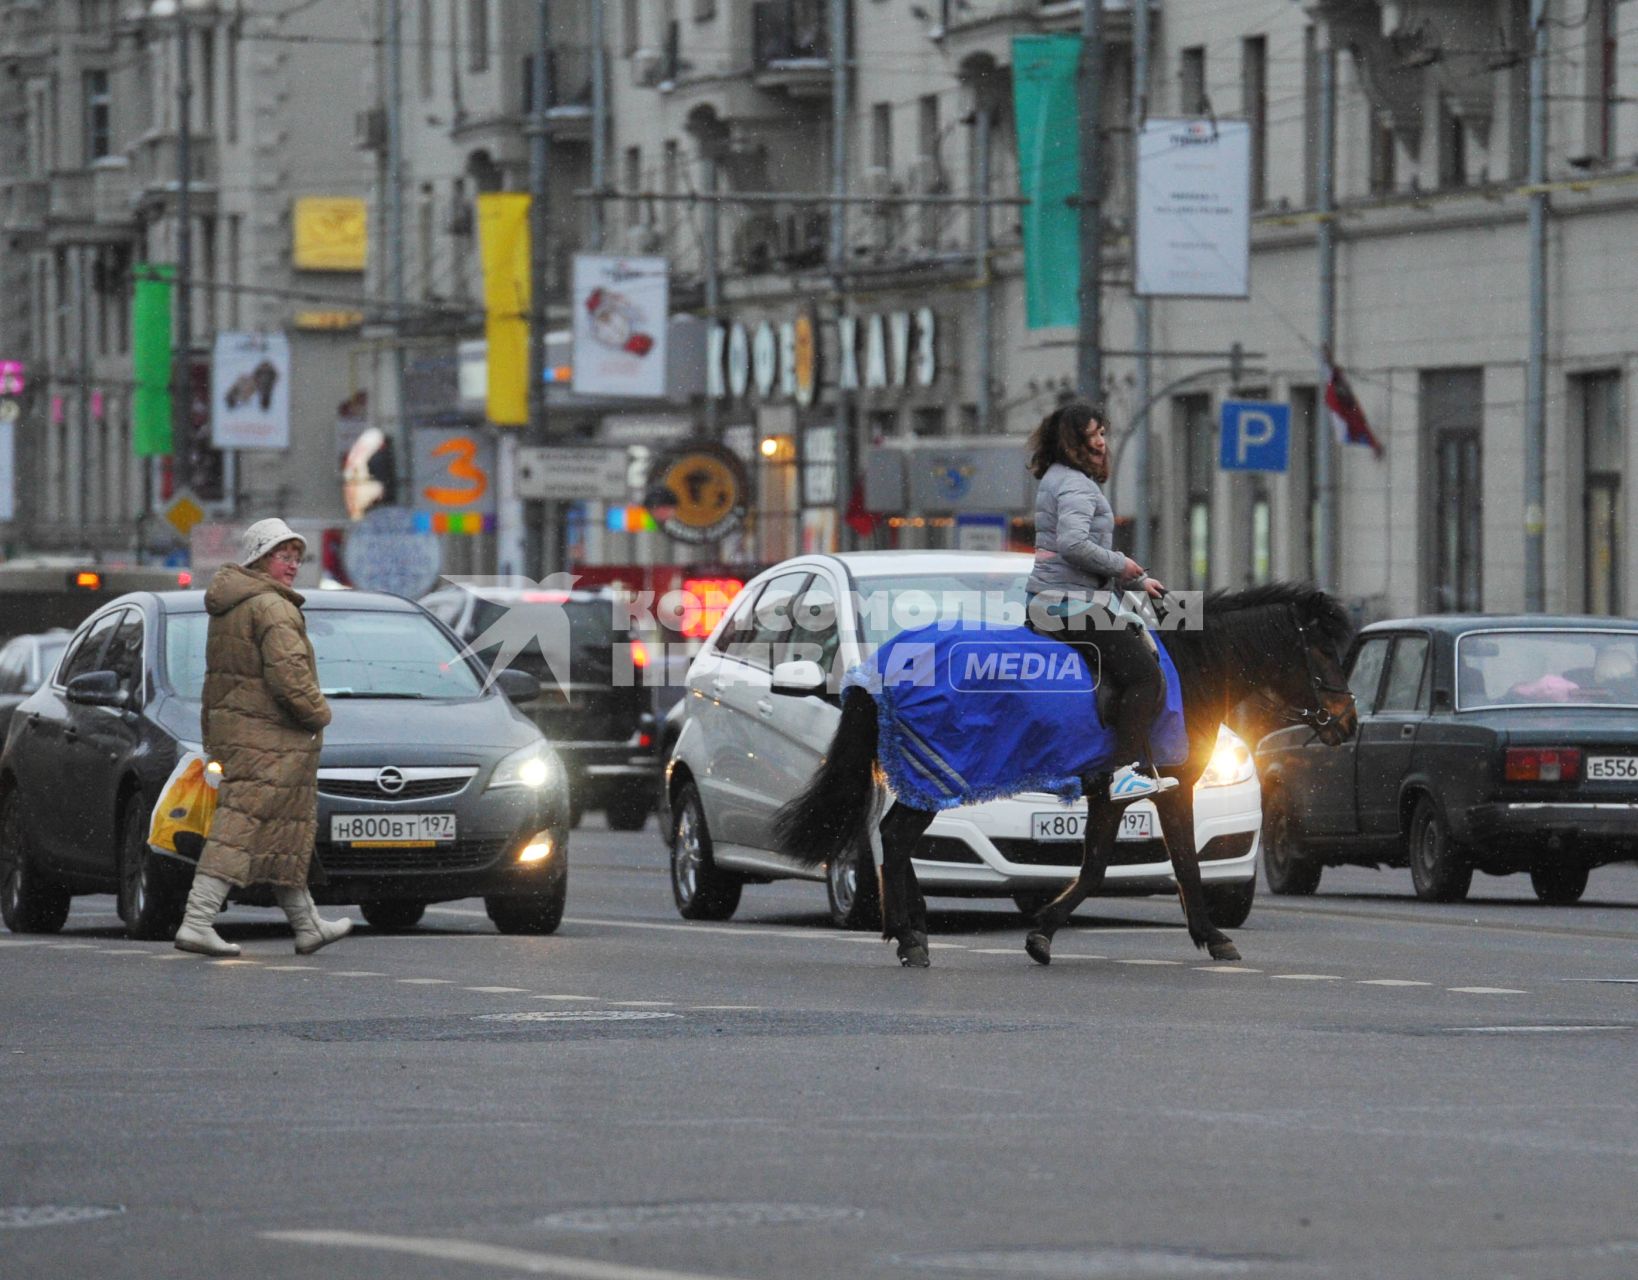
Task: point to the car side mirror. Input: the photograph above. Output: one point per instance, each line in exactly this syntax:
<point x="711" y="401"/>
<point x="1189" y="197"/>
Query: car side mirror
<point x="97" y="689"/>
<point x="518" y="686"/>
<point x="801" y="679"/>
<point x="1441" y="700"/>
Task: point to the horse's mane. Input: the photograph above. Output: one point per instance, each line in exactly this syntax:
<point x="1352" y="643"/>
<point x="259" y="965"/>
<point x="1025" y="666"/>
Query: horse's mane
<point x="1243" y="629"/>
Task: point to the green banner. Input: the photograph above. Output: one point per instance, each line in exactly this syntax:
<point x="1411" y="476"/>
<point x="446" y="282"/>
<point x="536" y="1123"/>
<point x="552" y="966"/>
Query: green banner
<point x="151" y="361"/>
<point x="1046" y="106"/>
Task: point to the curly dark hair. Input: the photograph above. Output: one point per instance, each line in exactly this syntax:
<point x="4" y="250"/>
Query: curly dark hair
<point x="1061" y="437"/>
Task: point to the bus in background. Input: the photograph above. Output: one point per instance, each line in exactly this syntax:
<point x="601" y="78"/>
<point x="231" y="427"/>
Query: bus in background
<point x="40" y="595"/>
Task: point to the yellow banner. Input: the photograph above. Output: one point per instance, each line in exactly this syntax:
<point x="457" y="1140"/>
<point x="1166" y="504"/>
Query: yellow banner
<point x="503" y="239"/>
<point x="332" y="233"/>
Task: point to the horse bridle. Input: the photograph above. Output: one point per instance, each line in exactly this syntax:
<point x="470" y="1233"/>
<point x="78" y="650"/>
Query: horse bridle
<point x="1316" y="717"/>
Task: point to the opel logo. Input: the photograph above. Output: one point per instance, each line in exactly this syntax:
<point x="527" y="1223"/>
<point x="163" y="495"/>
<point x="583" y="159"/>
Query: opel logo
<point x="390" y="780"/>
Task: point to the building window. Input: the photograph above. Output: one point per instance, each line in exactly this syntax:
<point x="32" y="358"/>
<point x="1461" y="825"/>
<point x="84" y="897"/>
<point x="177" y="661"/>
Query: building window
<point x="1262" y="560"/>
<point x="235" y="225"/>
<point x="1452" y="422"/>
<point x="631" y="29"/>
<point x="1383" y="157"/>
<point x="98" y="116"/>
<point x="1603" y="435"/>
<point x="881" y="137"/>
<point x="927" y="421"/>
<point x="670" y="173"/>
<point x="426" y="20"/>
<point x="477" y="35"/>
<point x="1452" y="147"/>
<point x="207" y="78"/>
<point x="230" y="85"/>
<point x="634" y="182"/>
<point x="1191" y="81"/>
<point x="1192" y="420"/>
<point x="1254" y="103"/>
<point x="1303" y="488"/>
<point x="1603" y="32"/>
<point x="1311" y="105"/>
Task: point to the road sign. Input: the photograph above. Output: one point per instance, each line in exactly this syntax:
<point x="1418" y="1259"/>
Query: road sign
<point x="183" y="512"/>
<point x="385" y="552"/>
<point x="565" y="474"/>
<point x="1255" y="436"/>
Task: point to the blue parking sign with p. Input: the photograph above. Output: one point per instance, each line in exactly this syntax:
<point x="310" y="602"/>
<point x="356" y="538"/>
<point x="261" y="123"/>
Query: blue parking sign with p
<point x="1255" y="436"/>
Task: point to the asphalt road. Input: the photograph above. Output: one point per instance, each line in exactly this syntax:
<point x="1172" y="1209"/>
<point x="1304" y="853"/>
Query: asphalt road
<point x="1382" y="1088"/>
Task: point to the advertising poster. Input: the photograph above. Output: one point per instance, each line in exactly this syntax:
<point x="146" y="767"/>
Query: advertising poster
<point x="620" y="323"/>
<point x="250" y="391"/>
<point x="1194" y="209"/>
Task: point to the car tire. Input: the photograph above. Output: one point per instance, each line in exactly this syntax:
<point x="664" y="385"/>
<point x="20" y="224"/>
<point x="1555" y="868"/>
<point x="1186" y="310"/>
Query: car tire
<point x="392" y="917"/>
<point x="29" y="903"/>
<point x="854" y="891"/>
<point x="1559" y="886"/>
<point x="1439" y="872"/>
<point x="1285" y="868"/>
<point x="1229" y="903"/>
<point x="531" y="913"/>
<point x="152" y="897"/>
<point x="1030" y="901"/>
<point x="629" y="813"/>
<point x="700" y="891"/>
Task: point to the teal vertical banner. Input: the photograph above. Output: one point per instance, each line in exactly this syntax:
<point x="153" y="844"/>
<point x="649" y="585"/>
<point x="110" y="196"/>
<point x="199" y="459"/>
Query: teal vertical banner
<point x="1046" y="107"/>
<point x="151" y="361"/>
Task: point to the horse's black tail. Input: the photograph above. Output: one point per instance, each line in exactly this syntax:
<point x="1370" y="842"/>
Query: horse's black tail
<point x="833" y="813"/>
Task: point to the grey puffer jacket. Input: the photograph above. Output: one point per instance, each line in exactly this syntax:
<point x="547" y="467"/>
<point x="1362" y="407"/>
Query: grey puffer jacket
<point x="1074" y="536"/>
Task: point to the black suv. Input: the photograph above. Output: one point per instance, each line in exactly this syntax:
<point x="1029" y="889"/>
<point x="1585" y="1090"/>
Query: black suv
<point x="602" y="724"/>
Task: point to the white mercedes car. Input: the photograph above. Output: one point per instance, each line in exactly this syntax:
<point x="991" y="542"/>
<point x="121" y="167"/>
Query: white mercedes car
<point x="734" y="752"/>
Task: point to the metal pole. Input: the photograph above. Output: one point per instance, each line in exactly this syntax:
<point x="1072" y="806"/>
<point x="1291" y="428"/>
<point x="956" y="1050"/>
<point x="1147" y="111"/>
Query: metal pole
<point x="1089" y="353"/>
<point x="182" y="394"/>
<point x="1324" y="543"/>
<point x="1142" y="551"/>
<point x="1535" y="385"/>
<point x="713" y="264"/>
<point x="541" y="552"/>
<point x="983" y="127"/>
<point x="838" y="243"/>
<point x="82" y="299"/>
<point x="395" y="246"/>
<point x="600" y="120"/>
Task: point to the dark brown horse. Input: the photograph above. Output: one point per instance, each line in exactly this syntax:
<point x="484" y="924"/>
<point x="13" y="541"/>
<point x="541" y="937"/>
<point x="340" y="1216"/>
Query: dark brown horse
<point x="1281" y="644"/>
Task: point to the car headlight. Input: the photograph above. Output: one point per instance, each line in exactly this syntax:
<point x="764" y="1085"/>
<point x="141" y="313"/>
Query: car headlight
<point x="533" y="766"/>
<point x="1230" y="762"/>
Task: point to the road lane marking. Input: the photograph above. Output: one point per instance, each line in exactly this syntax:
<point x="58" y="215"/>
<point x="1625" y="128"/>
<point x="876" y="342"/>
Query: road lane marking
<point x="1488" y="991"/>
<point x="477" y="1254"/>
<point x="565" y="997"/>
<point x="1149" y="962"/>
<point x="428" y="982"/>
<point x="1392" y="982"/>
<point x="644" y="1004"/>
<point x="987" y="951"/>
<point x="176" y="955"/>
<point x="1224" y="968"/>
<point x="124" y="951"/>
<point x="72" y="946"/>
<point x="355" y="973"/>
<point x="499" y="991"/>
<point x="1541" y="1030"/>
<point x="726" y="1008"/>
<point x="291" y="968"/>
<point x="1306" y="977"/>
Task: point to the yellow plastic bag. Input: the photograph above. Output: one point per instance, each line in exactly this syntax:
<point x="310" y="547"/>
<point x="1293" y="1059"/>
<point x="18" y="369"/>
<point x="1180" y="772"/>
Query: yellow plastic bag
<point x="186" y="806"/>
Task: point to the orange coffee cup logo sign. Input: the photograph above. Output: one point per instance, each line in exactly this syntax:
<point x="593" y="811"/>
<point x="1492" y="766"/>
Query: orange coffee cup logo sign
<point x="697" y="493"/>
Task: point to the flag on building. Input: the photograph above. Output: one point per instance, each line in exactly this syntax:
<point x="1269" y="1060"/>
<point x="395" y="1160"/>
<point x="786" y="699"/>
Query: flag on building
<point x="503" y="241"/>
<point x="1347" y="418"/>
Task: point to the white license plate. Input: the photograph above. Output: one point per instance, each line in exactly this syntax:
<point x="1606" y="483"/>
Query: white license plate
<point x="1051" y="826"/>
<point x="403" y="830"/>
<point x="1612" y="768"/>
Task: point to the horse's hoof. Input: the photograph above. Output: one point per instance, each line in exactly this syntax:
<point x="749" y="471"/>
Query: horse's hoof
<point x="1039" y="946"/>
<point x="914" y="956"/>
<point x="1224" y="950"/>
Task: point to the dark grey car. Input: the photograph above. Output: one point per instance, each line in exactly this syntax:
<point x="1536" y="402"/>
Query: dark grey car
<point x="430" y="788"/>
<point x="25" y="662"/>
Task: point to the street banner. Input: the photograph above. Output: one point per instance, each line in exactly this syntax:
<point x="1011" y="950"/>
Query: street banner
<point x="250" y="391"/>
<point x="151" y="361"/>
<point x="329" y="233"/>
<point x="503" y="241"/>
<point x="13" y="387"/>
<point x="1194" y="209"/>
<point x="1046" y="107"/>
<point x="454" y="470"/>
<point x="620" y="322"/>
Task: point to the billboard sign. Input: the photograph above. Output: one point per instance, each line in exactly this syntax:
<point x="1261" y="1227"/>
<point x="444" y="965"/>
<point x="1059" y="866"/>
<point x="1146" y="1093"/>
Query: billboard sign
<point x="1194" y="209"/>
<point x="250" y="391"/>
<point x="620" y="325"/>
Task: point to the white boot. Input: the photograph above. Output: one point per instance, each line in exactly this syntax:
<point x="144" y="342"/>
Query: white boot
<point x="1128" y="783"/>
<point x="312" y="930"/>
<point x="196" y="933"/>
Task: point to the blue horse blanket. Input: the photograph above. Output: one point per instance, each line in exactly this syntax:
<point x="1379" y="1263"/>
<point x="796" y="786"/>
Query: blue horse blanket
<point x="974" y="713"/>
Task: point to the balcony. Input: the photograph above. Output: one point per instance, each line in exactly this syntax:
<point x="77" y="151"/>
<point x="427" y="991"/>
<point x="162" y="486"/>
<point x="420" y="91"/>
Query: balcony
<point x="790" y="46"/>
<point x="569" y="93"/>
<point x="23" y="205"/>
<point x="88" y="206"/>
<point x="153" y="172"/>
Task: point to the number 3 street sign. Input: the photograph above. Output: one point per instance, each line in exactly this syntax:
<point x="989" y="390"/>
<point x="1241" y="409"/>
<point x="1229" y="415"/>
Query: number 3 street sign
<point x="1255" y="435"/>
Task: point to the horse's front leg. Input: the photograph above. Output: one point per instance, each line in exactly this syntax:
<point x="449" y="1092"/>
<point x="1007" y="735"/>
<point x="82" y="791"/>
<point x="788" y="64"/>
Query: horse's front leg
<point x="1102" y="820"/>
<point x="904" y="910"/>
<point x="1176" y="809"/>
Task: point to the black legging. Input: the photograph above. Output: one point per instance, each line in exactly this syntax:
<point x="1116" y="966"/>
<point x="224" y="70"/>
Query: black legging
<point x="1122" y="657"/>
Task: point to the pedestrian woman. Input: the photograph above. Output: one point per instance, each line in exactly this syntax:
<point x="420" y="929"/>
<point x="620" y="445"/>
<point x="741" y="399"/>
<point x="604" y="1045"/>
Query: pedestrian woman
<point x="263" y="719"/>
<point x="1076" y="567"/>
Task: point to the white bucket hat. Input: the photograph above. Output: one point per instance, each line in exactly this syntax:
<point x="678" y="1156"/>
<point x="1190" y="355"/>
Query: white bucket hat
<point x="263" y="536"/>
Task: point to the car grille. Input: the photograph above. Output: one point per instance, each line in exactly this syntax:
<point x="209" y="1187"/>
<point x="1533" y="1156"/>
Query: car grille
<point x="1060" y="853"/>
<point x="419" y="789"/>
<point x="468" y="855"/>
<point x="945" y="849"/>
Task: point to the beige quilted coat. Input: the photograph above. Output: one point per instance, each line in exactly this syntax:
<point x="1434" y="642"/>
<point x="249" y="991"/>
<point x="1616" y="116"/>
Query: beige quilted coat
<point x="263" y="719"/>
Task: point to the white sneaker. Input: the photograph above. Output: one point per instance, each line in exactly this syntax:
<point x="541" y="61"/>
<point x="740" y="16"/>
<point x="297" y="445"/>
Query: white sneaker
<point x="1129" y="784"/>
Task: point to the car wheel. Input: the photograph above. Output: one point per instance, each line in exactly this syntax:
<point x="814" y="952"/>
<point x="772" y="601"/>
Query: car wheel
<point x="531" y="913"/>
<point x="151" y="899"/>
<point x="1559" y="886"/>
<point x="700" y="891"/>
<point x="854" y="891"/>
<point x="1438" y="870"/>
<point x="1284" y="866"/>
<point x="392" y="917"/>
<point x="28" y="902"/>
<point x="630" y="812"/>
<point x="1229" y="904"/>
<point x="1030" y="901"/>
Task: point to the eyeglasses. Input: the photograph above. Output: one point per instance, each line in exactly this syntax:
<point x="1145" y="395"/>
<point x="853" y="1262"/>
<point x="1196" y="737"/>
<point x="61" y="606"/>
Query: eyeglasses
<point x="295" y="559"/>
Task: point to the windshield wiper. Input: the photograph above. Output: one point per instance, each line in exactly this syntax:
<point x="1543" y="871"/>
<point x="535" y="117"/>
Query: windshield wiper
<point x="364" y="693"/>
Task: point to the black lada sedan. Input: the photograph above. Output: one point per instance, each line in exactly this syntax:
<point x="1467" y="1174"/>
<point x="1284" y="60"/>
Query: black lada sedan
<point x="430" y="787"/>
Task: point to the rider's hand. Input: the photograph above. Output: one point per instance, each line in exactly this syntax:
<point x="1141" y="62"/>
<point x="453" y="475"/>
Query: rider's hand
<point x="1154" y="587"/>
<point x="1133" y="570"/>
